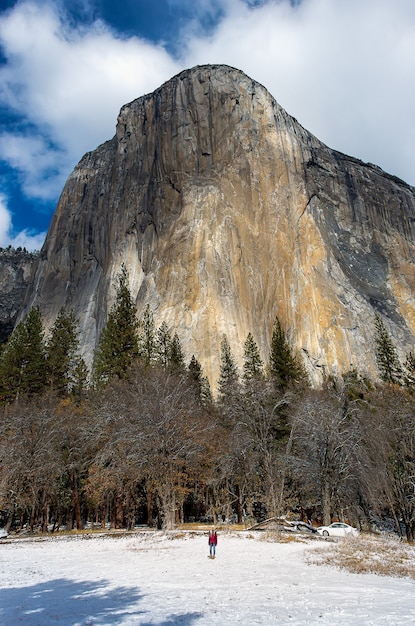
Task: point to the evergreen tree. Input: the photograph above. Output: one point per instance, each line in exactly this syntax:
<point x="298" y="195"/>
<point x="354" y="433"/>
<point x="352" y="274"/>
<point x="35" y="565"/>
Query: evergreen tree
<point x="202" y="383"/>
<point x="389" y="365"/>
<point x="195" y="369"/>
<point x="176" y="353"/>
<point x="410" y="370"/>
<point x="118" y="346"/>
<point x="285" y="368"/>
<point x="253" y="365"/>
<point x="163" y="345"/>
<point x="79" y="379"/>
<point x="147" y="338"/>
<point x="23" y="359"/>
<point x="61" y="351"/>
<point x="228" y="377"/>
<point x="168" y="351"/>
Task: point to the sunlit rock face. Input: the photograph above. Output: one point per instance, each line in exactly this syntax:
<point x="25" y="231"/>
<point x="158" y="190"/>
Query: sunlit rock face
<point x="227" y="213"/>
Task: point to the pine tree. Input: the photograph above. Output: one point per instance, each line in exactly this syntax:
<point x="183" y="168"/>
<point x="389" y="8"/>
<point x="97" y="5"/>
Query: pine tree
<point x="23" y="359"/>
<point x="163" y="345"/>
<point x="176" y="353"/>
<point x="410" y="370"/>
<point x="147" y="338"/>
<point x="202" y="383"/>
<point x="168" y="351"/>
<point x="253" y="365"/>
<point x="389" y="365"/>
<point x="79" y="379"/>
<point x="195" y="369"/>
<point x="285" y="368"/>
<point x="11" y="365"/>
<point x="35" y="358"/>
<point x="228" y="377"/>
<point x="61" y="351"/>
<point x="118" y="346"/>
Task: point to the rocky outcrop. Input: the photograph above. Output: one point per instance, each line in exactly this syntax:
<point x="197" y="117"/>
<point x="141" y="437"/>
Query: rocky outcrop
<point x="227" y="213"/>
<point x="15" y="269"/>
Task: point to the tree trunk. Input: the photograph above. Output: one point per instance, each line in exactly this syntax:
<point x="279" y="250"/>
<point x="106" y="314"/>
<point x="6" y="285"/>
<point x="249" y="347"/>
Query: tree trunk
<point x="394" y="515"/>
<point x="76" y="502"/>
<point x="106" y="511"/>
<point x="32" y="520"/>
<point x="45" y="514"/>
<point x="113" y="513"/>
<point x="129" y="512"/>
<point x="150" y="506"/>
<point x="239" y="504"/>
<point x="119" y="513"/>
<point x="10" y="518"/>
<point x="408" y="527"/>
<point x="326" y="502"/>
<point x="284" y="471"/>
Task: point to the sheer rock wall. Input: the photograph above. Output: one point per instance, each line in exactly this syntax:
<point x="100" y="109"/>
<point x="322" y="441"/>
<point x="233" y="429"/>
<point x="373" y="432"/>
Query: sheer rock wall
<point x="227" y="213"/>
<point x="15" y="271"/>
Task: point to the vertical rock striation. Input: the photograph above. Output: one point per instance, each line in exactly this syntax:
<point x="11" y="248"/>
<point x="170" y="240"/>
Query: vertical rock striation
<point x="227" y="213"/>
<point x="15" y="271"/>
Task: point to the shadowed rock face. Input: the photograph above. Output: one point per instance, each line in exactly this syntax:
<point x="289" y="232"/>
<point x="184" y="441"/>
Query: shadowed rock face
<point x="15" y="271"/>
<point x="227" y="213"/>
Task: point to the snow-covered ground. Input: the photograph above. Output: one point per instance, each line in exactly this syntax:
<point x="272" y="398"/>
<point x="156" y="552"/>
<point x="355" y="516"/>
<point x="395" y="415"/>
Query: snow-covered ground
<point x="155" y="578"/>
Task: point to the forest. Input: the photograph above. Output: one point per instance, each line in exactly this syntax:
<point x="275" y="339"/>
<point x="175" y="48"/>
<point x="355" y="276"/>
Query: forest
<point x="140" y="439"/>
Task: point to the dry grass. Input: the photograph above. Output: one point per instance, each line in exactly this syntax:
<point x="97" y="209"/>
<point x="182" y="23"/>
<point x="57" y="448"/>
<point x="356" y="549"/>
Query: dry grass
<point x="275" y="535"/>
<point x="207" y="526"/>
<point x="372" y="555"/>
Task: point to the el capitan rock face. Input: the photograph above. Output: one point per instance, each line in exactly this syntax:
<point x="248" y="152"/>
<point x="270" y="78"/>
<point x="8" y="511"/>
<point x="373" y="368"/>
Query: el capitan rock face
<point x="227" y="213"/>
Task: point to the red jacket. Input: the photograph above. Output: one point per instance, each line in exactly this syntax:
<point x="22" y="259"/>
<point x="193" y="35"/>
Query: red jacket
<point x="213" y="538"/>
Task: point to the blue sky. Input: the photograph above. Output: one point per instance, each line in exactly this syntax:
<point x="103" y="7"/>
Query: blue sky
<point x="344" y="68"/>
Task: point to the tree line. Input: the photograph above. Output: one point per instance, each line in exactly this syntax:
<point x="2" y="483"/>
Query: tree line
<point x="141" y="440"/>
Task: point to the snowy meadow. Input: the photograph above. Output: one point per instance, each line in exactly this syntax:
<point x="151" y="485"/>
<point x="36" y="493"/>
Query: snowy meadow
<point x="167" y="579"/>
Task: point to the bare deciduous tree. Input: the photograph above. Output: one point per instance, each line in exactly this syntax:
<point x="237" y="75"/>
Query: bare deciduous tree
<point x="326" y="439"/>
<point x="388" y="430"/>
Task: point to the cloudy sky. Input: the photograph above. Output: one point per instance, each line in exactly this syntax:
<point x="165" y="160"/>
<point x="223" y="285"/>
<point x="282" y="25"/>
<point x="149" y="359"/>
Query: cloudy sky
<point x="344" y="68"/>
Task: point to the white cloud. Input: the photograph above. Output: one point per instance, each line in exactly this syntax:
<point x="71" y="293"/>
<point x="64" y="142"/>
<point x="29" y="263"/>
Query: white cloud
<point x="36" y="160"/>
<point x="344" y="69"/>
<point x="5" y="222"/>
<point x="28" y="239"/>
<point x="69" y="85"/>
<point x="25" y="239"/>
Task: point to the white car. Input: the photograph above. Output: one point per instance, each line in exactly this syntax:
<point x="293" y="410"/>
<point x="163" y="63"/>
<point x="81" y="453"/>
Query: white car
<point x="3" y="533"/>
<point x="337" y="529"/>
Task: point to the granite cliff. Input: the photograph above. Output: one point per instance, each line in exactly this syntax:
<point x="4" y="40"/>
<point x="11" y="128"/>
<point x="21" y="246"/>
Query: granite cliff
<point x="227" y="212"/>
<point x="15" y="271"/>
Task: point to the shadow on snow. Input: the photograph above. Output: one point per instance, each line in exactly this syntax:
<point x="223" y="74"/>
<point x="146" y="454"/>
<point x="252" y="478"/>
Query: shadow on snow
<point x="78" y="603"/>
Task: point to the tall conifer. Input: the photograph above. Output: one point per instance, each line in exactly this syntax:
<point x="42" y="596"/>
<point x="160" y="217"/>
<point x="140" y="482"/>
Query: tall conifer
<point x="389" y="365"/>
<point x="79" y="379"/>
<point x="23" y="359"/>
<point x="118" y="346"/>
<point x="163" y="343"/>
<point x="147" y="344"/>
<point x="228" y="377"/>
<point x="202" y="383"/>
<point x="253" y="365"/>
<point x="285" y="367"/>
<point x="61" y="349"/>
<point x="176" y="353"/>
<point x="410" y="370"/>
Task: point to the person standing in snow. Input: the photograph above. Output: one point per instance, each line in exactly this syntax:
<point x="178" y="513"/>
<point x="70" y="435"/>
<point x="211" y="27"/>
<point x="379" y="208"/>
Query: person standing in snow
<point x="213" y="542"/>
